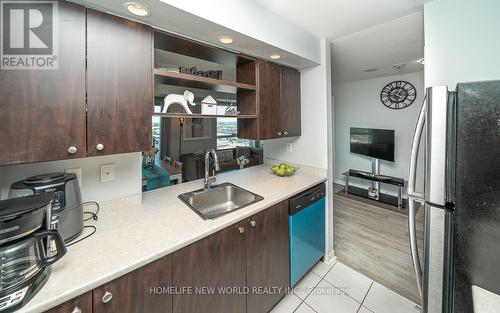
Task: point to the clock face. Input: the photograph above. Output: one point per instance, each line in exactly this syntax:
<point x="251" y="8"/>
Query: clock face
<point x="398" y="94"/>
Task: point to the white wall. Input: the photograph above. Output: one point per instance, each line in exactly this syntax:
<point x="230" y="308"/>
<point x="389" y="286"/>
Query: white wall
<point x="311" y="148"/>
<point x="314" y="146"/>
<point x="128" y="175"/>
<point x="357" y="104"/>
<point x="461" y="41"/>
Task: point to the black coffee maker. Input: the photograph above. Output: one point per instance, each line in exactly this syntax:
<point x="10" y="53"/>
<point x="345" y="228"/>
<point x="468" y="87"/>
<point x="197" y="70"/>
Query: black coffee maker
<point x="29" y="245"/>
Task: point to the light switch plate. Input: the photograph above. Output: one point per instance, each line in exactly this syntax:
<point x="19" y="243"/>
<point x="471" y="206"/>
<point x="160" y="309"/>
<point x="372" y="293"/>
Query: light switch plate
<point x="78" y="172"/>
<point x="107" y="173"/>
<point x="289" y="147"/>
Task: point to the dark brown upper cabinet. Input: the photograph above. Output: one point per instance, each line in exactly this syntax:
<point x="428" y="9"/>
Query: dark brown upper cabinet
<point x="119" y="85"/>
<point x="42" y="111"/>
<point x="132" y="293"/>
<point x="268" y="262"/>
<point x="278" y="104"/>
<point x="44" y="114"/>
<point x="290" y="102"/>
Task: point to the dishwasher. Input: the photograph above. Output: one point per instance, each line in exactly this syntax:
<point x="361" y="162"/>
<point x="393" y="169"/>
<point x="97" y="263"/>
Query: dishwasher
<point x="306" y="221"/>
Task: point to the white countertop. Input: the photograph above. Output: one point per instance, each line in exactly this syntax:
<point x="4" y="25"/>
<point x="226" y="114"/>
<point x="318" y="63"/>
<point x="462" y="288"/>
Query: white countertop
<point x="131" y="234"/>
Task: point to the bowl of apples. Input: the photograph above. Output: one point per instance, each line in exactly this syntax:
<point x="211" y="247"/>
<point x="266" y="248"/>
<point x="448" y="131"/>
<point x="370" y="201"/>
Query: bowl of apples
<point x="284" y="170"/>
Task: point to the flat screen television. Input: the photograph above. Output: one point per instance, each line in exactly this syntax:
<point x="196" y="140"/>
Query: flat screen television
<point x="375" y="143"/>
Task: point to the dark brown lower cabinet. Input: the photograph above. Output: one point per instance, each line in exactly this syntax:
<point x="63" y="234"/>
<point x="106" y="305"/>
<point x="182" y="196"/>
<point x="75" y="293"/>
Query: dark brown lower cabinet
<point x="210" y="274"/>
<point x="249" y="259"/>
<point x="138" y="291"/>
<point x="243" y="268"/>
<point x="267" y="258"/>
<point x="81" y="304"/>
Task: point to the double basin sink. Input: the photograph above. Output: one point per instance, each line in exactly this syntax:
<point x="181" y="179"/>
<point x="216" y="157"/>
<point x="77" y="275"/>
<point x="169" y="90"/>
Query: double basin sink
<point x="219" y="200"/>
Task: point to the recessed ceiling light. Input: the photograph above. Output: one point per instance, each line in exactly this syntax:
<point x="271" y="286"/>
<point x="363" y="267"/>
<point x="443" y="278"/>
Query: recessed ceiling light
<point x="421" y="61"/>
<point x="371" y="70"/>
<point x="226" y="40"/>
<point x="275" y="56"/>
<point x="137" y="9"/>
<point x="399" y="66"/>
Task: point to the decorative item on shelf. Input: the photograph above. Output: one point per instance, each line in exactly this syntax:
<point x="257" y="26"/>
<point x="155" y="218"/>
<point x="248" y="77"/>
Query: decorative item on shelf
<point x="231" y="110"/>
<point x="284" y="169"/>
<point x="182" y="100"/>
<point x="171" y="69"/>
<point x="214" y="74"/>
<point x="242" y="161"/>
<point x="209" y="106"/>
<point x="148" y="157"/>
<point x="188" y="70"/>
<point x="217" y="74"/>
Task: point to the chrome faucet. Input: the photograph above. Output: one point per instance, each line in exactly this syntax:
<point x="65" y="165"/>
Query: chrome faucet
<point x="209" y="180"/>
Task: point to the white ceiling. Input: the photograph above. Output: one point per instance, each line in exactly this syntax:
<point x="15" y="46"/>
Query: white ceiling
<point x="365" y="34"/>
<point x="380" y="47"/>
<point x="337" y="18"/>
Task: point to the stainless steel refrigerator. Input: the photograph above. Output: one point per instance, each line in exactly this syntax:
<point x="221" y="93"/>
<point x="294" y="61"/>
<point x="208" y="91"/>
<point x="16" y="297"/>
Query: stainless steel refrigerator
<point x="460" y="133"/>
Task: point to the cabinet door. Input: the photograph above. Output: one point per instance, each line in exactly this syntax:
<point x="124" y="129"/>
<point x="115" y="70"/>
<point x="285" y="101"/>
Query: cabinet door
<point x="267" y="258"/>
<point x="290" y="102"/>
<point x="119" y="85"/>
<point x="138" y="291"/>
<point x="42" y="111"/>
<point x="210" y="274"/>
<point x="269" y="99"/>
<point x="81" y="304"/>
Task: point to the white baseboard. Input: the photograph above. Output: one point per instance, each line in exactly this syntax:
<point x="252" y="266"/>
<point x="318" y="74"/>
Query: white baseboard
<point x="330" y="258"/>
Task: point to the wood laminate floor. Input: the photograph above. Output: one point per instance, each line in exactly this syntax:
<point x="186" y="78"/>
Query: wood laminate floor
<point x="374" y="241"/>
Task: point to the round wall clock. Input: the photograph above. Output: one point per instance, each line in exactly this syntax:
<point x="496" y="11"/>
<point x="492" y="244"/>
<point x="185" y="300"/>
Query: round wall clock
<point x="398" y="94"/>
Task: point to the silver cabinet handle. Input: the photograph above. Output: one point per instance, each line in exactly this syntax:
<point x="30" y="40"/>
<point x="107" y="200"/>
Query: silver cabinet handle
<point x="285" y="133"/>
<point x="241" y="229"/>
<point x="253" y="223"/>
<point x="279" y="133"/>
<point x="99" y="147"/>
<point x="76" y="310"/>
<point x="72" y="150"/>
<point x="107" y="297"/>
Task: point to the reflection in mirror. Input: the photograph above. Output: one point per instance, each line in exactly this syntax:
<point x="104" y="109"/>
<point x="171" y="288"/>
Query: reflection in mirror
<point x="180" y="143"/>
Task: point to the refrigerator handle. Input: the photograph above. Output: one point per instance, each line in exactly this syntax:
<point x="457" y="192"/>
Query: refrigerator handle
<point x="414" y="196"/>
<point x="414" y="153"/>
<point x="412" y="234"/>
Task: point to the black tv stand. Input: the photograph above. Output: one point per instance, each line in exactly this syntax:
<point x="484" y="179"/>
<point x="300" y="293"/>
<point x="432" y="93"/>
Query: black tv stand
<point x="383" y="179"/>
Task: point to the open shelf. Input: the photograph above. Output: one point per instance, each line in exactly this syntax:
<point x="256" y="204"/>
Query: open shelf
<point x="186" y="80"/>
<point x="196" y="115"/>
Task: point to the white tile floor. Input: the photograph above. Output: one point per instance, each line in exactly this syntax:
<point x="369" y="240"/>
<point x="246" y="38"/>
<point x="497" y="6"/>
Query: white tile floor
<point x="337" y="288"/>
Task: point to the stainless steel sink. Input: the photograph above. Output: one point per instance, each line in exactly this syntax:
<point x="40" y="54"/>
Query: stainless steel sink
<point x="219" y="200"/>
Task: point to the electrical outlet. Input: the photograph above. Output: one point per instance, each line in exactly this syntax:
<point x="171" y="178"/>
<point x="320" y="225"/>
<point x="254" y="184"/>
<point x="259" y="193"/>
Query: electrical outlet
<point x="78" y="172"/>
<point x="289" y="147"/>
<point x="107" y="173"/>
